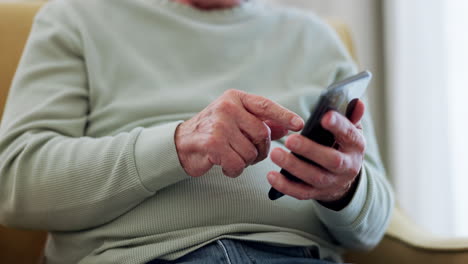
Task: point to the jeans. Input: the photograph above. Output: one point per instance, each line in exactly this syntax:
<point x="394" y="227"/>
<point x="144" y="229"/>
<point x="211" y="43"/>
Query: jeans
<point x="226" y="251"/>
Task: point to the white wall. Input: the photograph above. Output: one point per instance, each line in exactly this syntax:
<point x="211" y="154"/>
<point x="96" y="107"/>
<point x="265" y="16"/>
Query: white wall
<point x="427" y="79"/>
<point x="365" y="21"/>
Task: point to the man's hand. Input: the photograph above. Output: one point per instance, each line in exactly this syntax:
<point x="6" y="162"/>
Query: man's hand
<point x="234" y="131"/>
<point x="340" y="166"/>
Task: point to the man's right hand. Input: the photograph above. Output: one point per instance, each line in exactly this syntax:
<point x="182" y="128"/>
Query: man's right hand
<point x="234" y="131"/>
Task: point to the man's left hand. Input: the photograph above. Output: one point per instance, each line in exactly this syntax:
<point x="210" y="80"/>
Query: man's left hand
<point x="340" y="166"/>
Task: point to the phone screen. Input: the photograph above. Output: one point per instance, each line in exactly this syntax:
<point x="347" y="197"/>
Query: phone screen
<point x="340" y="94"/>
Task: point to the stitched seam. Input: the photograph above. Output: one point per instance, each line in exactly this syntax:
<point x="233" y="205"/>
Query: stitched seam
<point x="307" y="253"/>
<point x="225" y="251"/>
<point x="133" y="155"/>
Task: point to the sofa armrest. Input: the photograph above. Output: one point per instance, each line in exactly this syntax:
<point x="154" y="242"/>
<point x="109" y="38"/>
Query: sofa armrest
<point x="20" y="246"/>
<point x="405" y="243"/>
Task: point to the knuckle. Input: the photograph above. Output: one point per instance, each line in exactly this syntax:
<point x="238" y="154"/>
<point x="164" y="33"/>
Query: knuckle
<point x="354" y="170"/>
<point x="211" y="142"/>
<point x="231" y="92"/>
<point x="361" y="145"/>
<point x="322" y="180"/>
<point x="351" y="134"/>
<point x="344" y="187"/>
<point x="240" y="166"/>
<point x="236" y="164"/>
<point x="303" y="196"/>
<point x="214" y="159"/>
<point x="337" y="162"/>
<point x="263" y="105"/>
<point x="226" y="106"/>
<point x="219" y="127"/>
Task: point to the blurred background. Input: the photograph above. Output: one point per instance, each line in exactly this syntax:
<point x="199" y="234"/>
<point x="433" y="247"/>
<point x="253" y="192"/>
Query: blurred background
<point x="417" y="51"/>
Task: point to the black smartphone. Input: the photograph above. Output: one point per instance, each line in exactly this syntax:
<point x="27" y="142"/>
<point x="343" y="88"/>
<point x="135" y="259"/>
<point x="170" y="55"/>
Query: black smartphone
<point x="340" y="96"/>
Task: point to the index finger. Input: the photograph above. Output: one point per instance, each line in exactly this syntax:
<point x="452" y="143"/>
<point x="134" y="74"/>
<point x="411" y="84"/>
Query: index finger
<point x="266" y="109"/>
<point x="357" y="109"/>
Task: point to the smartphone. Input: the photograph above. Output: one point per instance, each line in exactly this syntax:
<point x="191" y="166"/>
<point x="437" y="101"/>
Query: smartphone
<point x="340" y="96"/>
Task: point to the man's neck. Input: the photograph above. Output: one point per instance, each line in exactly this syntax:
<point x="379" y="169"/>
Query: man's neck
<point x="211" y="4"/>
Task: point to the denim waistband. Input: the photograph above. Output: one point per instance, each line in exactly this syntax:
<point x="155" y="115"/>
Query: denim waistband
<point x="228" y="251"/>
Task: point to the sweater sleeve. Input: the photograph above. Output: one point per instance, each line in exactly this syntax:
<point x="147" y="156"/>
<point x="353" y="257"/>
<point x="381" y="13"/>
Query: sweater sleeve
<point x="362" y="223"/>
<point x="52" y="176"/>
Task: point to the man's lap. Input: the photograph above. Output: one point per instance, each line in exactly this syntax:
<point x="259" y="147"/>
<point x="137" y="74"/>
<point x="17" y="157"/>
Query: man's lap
<point x="242" y="252"/>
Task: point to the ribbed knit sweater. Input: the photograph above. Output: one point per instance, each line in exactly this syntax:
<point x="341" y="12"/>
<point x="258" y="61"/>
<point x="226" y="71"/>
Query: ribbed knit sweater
<point x="87" y="146"/>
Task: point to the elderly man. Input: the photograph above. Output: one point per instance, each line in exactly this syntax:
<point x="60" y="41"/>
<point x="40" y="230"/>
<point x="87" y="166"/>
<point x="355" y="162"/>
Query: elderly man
<point x="140" y="132"/>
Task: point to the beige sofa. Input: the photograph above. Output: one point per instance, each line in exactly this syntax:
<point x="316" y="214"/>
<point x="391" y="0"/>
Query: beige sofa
<point x="404" y="242"/>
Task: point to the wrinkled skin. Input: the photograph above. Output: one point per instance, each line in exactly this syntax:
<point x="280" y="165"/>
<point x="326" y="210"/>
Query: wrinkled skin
<point x="235" y="131"/>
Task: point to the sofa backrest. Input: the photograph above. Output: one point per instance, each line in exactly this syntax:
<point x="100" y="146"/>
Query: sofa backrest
<point x="16" y="246"/>
<point x="15" y="24"/>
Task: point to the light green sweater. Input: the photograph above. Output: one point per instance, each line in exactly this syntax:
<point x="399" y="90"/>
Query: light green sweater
<point x="87" y="139"/>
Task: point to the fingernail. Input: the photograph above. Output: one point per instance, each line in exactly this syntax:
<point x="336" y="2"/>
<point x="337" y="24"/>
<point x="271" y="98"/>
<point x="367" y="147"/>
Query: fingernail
<point x="278" y="155"/>
<point x="332" y="120"/>
<point x="271" y="178"/>
<point x="293" y="142"/>
<point x="297" y="122"/>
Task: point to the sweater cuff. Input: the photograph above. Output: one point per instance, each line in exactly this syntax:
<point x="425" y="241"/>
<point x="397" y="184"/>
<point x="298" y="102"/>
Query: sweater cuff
<point x="352" y="212"/>
<point x="156" y="157"/>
